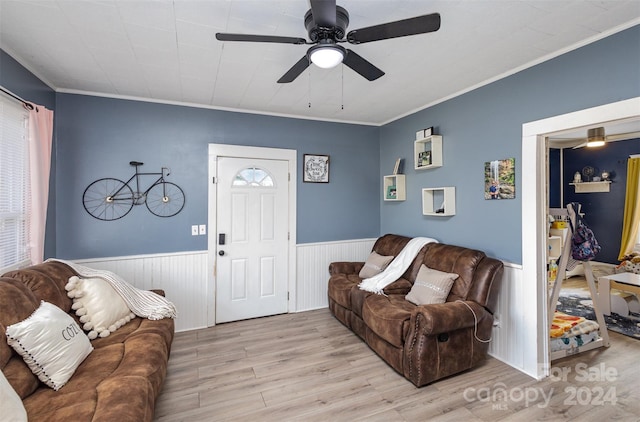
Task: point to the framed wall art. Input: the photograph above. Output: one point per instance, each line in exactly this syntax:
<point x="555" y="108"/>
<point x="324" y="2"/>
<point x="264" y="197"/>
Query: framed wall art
<point x="500" y="179"/>
<point x="315" y="168"/>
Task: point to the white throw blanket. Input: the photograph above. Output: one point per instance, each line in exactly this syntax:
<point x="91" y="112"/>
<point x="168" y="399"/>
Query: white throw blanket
<point x="397" y="267"/>
<point x="143" y="303"/>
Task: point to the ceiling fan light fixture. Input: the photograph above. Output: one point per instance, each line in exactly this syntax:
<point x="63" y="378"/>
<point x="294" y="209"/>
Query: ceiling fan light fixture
<point x="594" y="144"/>
<point x="595" y="137"/>
<point x="326" y="54"/>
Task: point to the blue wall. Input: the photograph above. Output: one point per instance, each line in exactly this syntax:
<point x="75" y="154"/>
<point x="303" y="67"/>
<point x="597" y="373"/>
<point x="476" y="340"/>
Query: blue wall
<point x="97" y="137"/>
<point x="603" y="211"/>
<point x="486" y="124"/>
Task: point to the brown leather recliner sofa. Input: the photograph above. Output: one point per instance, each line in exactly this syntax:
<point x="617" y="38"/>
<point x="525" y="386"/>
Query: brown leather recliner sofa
<point x="119" y="380"/>
<point x="427" y="342"/>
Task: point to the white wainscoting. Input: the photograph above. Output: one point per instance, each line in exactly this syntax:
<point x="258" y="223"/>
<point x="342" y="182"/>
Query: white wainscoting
<point x="509" y="338"/>
<point x="312" y="270"/>
<point x="181" y="275"/>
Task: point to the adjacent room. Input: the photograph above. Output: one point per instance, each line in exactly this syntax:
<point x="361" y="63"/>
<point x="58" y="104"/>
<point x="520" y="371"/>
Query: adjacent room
<point x="212" y="223"/>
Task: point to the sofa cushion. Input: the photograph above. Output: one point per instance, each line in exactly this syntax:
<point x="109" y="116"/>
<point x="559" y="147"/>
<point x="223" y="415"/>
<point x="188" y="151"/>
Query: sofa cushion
<point x="358" y="297"/>
<point x="339" y="288"/>
<point x="12" y="408"/>
<point x="47" y="282"/>
<point x="392" y="244"/>
<point x="457" y="260"/>
<point x="431" y="286"/>
<point x="51" y="343"/>
<point x="100" y="308"/>
<point x="375" y="264"/>
<point x="388" y="317"/>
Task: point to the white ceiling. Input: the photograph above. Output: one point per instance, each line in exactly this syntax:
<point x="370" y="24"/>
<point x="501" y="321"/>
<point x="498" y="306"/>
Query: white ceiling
<point x="166" y="51"/>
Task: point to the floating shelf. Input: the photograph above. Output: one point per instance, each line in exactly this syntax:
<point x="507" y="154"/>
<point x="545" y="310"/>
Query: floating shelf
<point x="440" y="202"/>
<point x="427" y="152"/>
<point x="394" y="188"/>
<point x="588" y="187"/>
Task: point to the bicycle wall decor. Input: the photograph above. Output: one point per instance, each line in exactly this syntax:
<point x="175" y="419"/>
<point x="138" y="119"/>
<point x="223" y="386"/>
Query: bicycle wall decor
<point x="109" y="199"/>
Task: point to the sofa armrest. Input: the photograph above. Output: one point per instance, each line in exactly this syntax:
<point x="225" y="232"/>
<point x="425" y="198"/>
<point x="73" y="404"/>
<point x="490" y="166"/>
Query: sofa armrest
<point x="446" y="317"/>
<point x="444" y="339"/>
<point x="342" y="267"/>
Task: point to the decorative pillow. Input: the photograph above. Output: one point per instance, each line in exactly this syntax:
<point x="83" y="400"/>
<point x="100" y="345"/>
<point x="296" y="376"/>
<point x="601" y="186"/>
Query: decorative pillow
<point x="375" y="264"/>
<point x="431" y="286"/>
<point x="12" y="408"/>
<point x="51" y="344"/>
<point x="100" y="308"/>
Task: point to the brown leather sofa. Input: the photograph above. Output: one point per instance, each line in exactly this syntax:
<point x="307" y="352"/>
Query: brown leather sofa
<point x="427" y="342"/>
<point x="119" y="381"/>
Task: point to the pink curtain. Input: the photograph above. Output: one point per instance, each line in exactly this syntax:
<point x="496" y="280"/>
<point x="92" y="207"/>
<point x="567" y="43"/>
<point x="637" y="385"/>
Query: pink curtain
<point x="40" y="140"/>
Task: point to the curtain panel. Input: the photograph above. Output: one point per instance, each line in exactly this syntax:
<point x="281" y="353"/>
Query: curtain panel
<point x="631" y="218"/>
<point x="40" y="142"/>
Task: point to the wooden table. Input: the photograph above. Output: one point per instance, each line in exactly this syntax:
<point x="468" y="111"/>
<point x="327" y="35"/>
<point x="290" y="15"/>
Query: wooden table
<point x="627" y="282"/>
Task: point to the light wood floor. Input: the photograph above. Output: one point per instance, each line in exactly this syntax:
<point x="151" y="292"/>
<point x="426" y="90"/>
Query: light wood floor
<point x="309" y="367"/>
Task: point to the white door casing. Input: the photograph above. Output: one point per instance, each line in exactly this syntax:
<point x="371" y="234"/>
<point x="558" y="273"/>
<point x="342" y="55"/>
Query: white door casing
<point x="252" y="219"/>
<point x="536" y="360"/>
<point x="275" y="275"/>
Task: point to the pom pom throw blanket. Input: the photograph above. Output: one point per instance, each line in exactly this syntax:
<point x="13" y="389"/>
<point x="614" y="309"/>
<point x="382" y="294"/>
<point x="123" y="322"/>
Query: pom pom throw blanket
<point x="143" y="303"/>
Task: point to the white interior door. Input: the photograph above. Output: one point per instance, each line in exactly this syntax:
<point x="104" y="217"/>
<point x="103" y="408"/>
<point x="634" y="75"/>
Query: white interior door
<point x="252" y="238"/>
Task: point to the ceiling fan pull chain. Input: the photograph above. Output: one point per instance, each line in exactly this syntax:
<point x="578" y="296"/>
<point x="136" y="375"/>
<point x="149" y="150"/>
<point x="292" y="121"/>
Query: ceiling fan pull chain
<point x="342" y="100"/>
<point x="309" y="89"/>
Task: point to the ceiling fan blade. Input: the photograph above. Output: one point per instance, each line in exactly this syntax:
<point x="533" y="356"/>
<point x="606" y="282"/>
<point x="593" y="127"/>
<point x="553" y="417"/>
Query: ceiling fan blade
<point x="295" y="71"/>
<point x="401" y="28"/>
<point x="324" y="12"/>
<point x="259" y="38"/>
<point x="362" y="66"/>
<point x="622" y="136"/>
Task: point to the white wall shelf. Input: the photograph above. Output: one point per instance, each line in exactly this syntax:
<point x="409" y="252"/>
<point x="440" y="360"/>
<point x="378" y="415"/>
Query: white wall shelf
<point x="394" y="188"/>
<point x="589" y="187"/>
<point x="431" y="146"/>
<point x="440" y="202"/>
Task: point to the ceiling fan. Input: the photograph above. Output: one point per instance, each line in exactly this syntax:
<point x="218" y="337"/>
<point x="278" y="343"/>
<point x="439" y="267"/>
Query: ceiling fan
<point x="326" y="24"/>
<point x="596" y="138"/>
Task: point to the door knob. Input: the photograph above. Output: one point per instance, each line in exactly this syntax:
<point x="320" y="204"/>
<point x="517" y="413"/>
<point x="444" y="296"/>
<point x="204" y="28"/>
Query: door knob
<point x="221" y="253"/>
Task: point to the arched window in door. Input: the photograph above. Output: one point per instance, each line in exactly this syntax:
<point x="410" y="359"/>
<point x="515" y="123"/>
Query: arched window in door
<point x="253" y="177"/>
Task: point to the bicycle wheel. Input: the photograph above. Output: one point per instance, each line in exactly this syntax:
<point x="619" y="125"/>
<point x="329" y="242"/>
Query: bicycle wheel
<point x="108" y="199"/>
<point x="165" y="199"/>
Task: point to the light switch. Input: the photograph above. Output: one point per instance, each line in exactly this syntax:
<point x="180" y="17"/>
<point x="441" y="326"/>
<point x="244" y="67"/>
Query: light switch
<point x="203" y="229"/>
<point x="194" y="230"/>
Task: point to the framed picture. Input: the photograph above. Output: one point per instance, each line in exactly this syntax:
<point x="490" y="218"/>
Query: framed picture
<point x="397" y="169"/>
<point x="315" y="168"/>
<point x="392" y="192"/>
<point x="424" y="158"/>
<point x="500" y="179"/>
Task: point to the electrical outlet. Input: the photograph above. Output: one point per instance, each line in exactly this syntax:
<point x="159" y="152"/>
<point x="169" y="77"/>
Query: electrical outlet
<point x="194" y="230"/>
<point x="203" y="229"/>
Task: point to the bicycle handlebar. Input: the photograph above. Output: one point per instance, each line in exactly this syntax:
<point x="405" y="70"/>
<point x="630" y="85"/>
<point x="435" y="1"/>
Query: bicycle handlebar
<point x="167" y="169"/>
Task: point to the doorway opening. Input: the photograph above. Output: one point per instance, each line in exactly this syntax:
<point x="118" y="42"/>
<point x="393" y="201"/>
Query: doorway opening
<point x="534" y="211"/>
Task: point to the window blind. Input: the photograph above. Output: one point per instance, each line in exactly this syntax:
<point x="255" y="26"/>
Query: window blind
<point x="14" y="184"/>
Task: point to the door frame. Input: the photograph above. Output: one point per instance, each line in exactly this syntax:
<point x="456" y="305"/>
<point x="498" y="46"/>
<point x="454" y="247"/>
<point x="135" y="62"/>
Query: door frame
<point x="239" y="151"/>
<point x="534" y="212"/>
